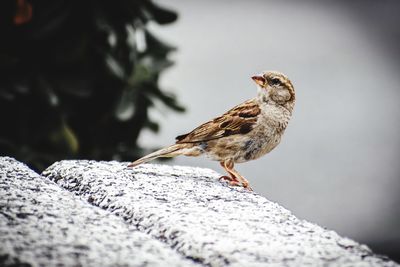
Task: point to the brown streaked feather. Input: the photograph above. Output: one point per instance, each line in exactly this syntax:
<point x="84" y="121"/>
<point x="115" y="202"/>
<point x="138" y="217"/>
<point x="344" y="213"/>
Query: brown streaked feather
<point x="238" y="120"/>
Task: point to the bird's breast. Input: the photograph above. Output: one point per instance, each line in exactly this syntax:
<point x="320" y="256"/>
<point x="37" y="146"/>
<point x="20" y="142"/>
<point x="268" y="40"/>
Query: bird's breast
<point x="264" y="137"/>
<point x="259" y="144"/>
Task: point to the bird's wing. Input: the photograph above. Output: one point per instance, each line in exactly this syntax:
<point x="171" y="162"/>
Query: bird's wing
<point x="239" y="120"/>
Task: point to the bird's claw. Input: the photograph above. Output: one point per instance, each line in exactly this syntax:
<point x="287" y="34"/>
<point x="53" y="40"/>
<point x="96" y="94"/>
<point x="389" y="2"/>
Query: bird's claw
<point x="227" y="178"/>
<point x="230" y="180"/>
<point x="248" y="187"/>
<point x="233" y="182"/>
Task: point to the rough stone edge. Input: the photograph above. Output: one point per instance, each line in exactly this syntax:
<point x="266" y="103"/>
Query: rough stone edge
<point x="25" y="193"/>
<point x="351" y="244"/>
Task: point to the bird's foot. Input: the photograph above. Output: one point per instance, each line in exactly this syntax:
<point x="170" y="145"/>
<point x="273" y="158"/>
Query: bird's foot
<point x="231" y="181"/>
<point x="247" y="186"/>
<point x="234" y="182"/>
<point x="226" y="178"/>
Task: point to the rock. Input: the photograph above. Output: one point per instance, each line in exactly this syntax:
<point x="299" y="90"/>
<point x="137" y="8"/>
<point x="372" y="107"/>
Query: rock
<point x="87" y="213"/>
<point x="207" y="222"/>
<point x="42" y="224"/>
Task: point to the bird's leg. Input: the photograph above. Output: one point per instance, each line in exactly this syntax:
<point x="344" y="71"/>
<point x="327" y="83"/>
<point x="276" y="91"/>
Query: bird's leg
<point x="232" y="180"/>
<point x="242" y="180"/>
<point x="235" y="176"/>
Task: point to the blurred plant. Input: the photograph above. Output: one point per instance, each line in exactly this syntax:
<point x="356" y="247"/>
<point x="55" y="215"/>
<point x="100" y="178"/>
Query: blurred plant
<point x="77" y="78"/>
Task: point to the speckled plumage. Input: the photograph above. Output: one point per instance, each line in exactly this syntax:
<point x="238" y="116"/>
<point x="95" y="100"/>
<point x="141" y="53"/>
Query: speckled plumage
<point x="246" y="132"/>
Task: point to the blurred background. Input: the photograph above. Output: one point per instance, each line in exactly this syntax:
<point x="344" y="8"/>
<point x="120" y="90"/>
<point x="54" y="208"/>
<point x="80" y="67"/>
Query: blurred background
<point x="95" y="80"/>
<point x="338" y="164"/>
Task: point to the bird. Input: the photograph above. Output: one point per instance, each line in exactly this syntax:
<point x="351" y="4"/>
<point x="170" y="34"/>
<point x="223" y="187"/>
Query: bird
<point x="245" y="132"/>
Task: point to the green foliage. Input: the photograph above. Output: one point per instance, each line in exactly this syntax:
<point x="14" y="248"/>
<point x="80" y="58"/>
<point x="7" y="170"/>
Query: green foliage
<point x="77" y="78"/>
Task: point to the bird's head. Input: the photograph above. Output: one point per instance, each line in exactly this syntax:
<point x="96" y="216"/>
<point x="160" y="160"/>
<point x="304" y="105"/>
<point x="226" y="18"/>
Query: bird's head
<point x="276" y="87"/>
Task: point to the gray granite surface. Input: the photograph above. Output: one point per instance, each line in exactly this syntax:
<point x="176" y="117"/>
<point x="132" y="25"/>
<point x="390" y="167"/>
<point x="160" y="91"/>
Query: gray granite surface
<point x="208" y="222"/>
<point x="42" y="224"/>
<point x="87" y="213"/>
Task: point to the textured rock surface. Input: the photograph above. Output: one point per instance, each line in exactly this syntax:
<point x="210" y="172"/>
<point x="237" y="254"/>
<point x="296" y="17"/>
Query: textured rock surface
<point x="42" y="224"/>
<point x="188" y="209"/>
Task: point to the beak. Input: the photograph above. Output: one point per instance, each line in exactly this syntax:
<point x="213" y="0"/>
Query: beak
<point x="259" y="79"/>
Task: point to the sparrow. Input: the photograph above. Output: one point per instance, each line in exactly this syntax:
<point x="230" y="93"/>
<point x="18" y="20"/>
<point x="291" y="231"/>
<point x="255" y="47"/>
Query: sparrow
<point x="245" y="132"/>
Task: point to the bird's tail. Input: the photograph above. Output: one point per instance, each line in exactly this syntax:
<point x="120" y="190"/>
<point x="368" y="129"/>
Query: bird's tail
<point x="170" y="151"/>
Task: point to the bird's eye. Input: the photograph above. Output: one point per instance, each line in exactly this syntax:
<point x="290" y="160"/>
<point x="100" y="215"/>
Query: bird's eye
<point x="275" y="81"/>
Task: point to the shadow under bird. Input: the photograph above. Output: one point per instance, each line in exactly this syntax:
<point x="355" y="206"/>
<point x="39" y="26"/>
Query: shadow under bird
<point x="246" y="132"/>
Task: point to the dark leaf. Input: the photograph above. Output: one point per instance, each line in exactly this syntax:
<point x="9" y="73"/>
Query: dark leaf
<point x="77" y="82"/>
<point x="155" y="47"/>
<point x="159" y="14"/>
<point x="153" y="126"/>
